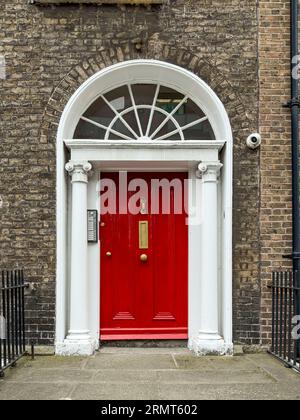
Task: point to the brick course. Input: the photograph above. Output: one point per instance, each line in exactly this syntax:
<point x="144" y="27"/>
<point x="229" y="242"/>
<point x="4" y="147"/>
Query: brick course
<point x="50" y="51"/>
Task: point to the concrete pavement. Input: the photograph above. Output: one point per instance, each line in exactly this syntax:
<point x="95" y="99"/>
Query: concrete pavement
<point x="163" y="374"/>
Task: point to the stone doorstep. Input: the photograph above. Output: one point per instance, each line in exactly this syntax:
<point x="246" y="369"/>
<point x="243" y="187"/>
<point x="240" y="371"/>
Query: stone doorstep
<point x="238" y="349"/>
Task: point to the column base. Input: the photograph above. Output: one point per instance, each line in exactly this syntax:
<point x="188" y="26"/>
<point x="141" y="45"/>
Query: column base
<point x="77" y="347"/>
<point x="210" y="345"/>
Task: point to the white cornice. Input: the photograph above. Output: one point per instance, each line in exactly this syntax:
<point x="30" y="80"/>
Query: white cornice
<point x="116" y="144"/>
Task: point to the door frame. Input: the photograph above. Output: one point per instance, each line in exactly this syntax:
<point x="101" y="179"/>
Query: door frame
<point x="192" y="156"/>
<point x="158" y="158"/>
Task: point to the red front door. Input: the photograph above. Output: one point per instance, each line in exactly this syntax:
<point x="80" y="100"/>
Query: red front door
<point x="144" y="257"/>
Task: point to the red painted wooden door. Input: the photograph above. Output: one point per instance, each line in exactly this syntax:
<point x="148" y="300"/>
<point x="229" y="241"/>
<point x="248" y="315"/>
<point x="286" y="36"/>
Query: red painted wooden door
<point x="144" y="299"/>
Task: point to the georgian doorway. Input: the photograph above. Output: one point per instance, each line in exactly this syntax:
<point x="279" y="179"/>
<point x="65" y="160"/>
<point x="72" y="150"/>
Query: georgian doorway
<point x="147" y="117"/>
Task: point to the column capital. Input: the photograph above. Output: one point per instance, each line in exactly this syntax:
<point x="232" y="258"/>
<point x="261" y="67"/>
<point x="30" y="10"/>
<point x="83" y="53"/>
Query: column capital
<point x="209" y="171"/>
<point x="78" y="170"/>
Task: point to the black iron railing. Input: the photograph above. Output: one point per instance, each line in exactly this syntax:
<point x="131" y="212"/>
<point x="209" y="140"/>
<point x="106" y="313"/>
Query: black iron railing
<point x="285" y="340"/>
<point x="12" y="320"/>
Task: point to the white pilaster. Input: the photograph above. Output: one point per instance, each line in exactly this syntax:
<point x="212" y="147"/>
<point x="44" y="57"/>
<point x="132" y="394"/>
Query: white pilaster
<point x="209" y="340"/>
<point x="78" y="341"/>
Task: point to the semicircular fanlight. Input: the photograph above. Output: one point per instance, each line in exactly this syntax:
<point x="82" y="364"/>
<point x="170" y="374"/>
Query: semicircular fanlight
<point x="144" y="112"/>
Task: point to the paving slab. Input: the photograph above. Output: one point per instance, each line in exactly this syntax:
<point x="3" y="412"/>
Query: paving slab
<point x="33" y="391"/>
<point x="236" y="363"/>
<point x="50" y="362"/>
<point x="275" y="368"/>
<point x="7" y="391"/>
<point x="255" y="392"/>
<point x="108" y="391"/>
<point x="126" y="376"/>
<point x="180" y="392"/>
<point x="200" y="377"/>
<point x="132" y="361"/>
<point x="163" y="374"/>
<point x="64" y="375"/>
<point x="239" y="392"/>
<point x="189" y="361"/>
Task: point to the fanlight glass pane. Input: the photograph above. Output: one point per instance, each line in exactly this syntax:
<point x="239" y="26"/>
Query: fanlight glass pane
<point x="144" y="116"/>
<point x="130" y="119"/>
<point x="145" y="112"/>
<point x="168" y="99"/>
<point x="201" y="131"/>
<point x="86" y="130"/>
<point x="188" y="113"/>
<point x="144" y="94"/>
<point x="119" y="127"/>
<point x="169" y="127"/>
<point x="119" y="98"/>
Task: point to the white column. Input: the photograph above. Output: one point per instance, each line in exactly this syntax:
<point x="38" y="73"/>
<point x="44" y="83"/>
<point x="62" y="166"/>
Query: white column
<point x="209" y="340"/>
<point x="78" y="341"/>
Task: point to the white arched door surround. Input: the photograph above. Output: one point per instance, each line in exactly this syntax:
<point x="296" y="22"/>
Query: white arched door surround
<point x="210" y="331"/>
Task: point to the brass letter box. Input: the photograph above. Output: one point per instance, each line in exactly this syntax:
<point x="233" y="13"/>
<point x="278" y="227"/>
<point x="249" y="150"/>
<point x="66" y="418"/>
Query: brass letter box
<point x="144" y="235"/>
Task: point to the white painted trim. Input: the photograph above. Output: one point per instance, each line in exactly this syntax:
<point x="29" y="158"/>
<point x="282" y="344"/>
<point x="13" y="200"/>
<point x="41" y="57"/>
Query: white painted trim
<point x="144" y="71"/>
<point x="120" y="156"/>
<point x="119" y="144"/>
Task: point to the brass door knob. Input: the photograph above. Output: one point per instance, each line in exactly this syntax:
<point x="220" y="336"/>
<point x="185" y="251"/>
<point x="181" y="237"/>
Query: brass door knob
<point x="108" y="254"/>
<point x="144" y="258"/>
